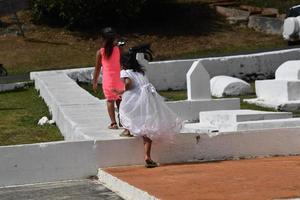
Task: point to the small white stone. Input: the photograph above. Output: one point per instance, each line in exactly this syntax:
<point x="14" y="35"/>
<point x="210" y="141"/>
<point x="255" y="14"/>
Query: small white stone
<point x="43" y="121"/>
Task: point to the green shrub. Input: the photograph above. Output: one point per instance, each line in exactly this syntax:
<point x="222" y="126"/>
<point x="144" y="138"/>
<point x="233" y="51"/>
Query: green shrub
<point x="85" y="13"/>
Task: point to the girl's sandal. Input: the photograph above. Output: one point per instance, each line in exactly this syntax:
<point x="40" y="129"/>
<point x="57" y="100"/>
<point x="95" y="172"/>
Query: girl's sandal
<point x="150" y="163"/>
<point x="113" y="126"/>
<point x="125" y="133"/>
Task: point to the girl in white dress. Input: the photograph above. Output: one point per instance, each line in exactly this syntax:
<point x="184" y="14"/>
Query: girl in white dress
<point x="143" y="111"/>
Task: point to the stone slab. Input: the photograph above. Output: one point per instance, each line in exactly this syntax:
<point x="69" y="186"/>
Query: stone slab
<point x="244" y="120"/>
<point x="189" y="110"/>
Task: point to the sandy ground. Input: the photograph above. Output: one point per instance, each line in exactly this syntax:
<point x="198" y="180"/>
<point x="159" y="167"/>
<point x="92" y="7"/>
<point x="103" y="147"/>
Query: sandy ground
<point x="259" y="179"/>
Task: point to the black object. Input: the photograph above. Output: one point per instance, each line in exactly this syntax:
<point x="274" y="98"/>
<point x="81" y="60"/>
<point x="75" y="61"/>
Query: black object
<point x="143" y="48"/>
<point x="3" y="71"/>
<point x="293" y="11"/>
<point x="129" y="58"/>
<point x="121" y="43"/>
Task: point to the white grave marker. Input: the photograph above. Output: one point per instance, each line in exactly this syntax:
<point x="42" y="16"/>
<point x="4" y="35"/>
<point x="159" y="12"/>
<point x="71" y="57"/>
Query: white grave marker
<point x="198" y="82"/>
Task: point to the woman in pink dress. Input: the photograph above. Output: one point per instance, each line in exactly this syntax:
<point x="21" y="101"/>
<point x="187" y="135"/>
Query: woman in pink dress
<point x="109" y="58"/>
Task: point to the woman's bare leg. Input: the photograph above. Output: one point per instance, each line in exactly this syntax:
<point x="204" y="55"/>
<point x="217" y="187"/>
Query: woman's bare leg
<point x="111" y="110"/>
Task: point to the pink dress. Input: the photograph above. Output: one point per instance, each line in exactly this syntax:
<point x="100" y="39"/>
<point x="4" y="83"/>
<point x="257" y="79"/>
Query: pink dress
<point x="111" y="74"/>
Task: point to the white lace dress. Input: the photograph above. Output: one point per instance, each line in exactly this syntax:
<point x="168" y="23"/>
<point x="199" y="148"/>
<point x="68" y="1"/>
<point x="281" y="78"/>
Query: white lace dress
<point x="144" y="112"/>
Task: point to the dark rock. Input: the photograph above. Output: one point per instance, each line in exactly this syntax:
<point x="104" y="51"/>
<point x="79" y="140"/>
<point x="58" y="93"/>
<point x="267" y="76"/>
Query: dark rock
<point x="266" y="24"/>
<point x="252" y="9"/>
<point x="270" y="12"/>
<point x="232" y="12"/>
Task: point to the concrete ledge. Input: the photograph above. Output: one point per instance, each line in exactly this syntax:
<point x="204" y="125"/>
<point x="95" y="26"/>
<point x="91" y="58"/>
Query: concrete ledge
<point x="122" y="188"/>
<point x="74" y="160"/>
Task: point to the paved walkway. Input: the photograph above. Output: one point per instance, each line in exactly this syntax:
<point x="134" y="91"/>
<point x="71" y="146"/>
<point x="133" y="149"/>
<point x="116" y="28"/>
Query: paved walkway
<point x="75" y="190"/>
<point x="259" y="179"/>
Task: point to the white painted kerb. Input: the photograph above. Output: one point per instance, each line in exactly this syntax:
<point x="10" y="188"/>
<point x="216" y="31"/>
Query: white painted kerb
<point x="122" y="188"/>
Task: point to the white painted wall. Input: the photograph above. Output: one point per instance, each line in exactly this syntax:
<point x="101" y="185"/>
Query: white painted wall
<point x="264" y="64"/>
<point x="23" y="164"/>
<point x="171" y="74"/>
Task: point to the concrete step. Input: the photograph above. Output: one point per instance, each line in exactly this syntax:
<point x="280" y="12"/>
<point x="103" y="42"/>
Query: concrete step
<point x="267" y="124"/>
<point x="215" y="118"/>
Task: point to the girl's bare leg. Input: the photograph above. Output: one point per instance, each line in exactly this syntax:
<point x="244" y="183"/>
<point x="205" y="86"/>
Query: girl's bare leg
<point x="118" y="102"/>
<point x="111" y="110"/>
<point x="147" y="147"/>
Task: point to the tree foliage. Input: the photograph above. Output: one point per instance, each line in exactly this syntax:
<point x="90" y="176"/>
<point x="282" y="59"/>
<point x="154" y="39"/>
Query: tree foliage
<point x="85" y="13"/>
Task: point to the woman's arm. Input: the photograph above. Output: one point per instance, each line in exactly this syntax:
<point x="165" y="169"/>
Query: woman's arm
<point x="128" y="86"/>
<point x="97" y="70"/>
<point x="128" y="83"/>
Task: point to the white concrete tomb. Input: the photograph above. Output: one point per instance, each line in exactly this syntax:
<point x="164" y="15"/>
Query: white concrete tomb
<point x="221" y="86"/>
<point x="282" y="93"/>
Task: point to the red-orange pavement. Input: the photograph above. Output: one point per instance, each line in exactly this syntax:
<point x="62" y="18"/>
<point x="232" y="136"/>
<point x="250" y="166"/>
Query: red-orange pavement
<point x="267" y="178"/>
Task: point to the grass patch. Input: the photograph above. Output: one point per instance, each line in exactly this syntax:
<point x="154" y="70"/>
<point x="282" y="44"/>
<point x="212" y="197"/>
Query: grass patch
<point x="20" y="111"/>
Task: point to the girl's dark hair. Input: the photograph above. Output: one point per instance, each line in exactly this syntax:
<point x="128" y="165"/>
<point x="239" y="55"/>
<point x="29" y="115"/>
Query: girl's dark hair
<point x="109" y="35"/>
<point x="129" y="62"/>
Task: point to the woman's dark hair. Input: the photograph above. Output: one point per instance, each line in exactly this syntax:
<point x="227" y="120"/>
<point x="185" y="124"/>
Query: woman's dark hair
<point x="109" y="35"/>
<point x="129" y="62"/>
